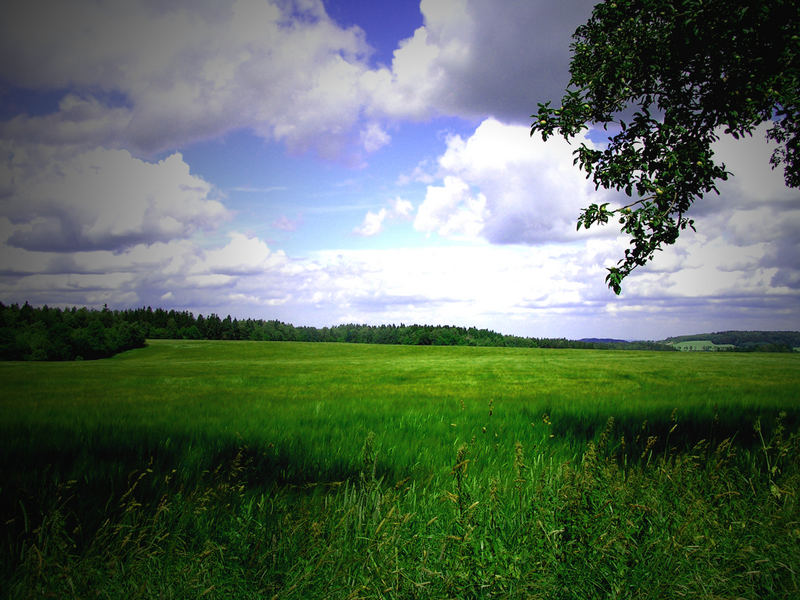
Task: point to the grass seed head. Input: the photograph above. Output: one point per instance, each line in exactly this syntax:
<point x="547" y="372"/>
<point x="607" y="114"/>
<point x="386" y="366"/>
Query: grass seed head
<point x="651" y="441"/>
<point x="519" y="463"/>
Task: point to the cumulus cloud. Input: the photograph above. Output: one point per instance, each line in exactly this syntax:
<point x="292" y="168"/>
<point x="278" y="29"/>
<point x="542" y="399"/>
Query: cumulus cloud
<point x="399" y="209"/>
<point x="753" y="183"/>
<point x="451" y="210"/>
<point x="79" y="120"/>
<point x="187" y="71"/>
<point x="756" y="217"/>
<point x="551" y="289"/>
<point x="91" y="227"/>
<point x="519" y="55"/>
<point x="151" y="77"/>
<point x="508" y="188"/>
<point x="416" y="86"/>
<point x="373" y="223"/>
<point x="373" y="137"/>
<point x="101" y="199"/>
<point x="475" y="57"/>
<point x="241" y="256"/>
<point x="462" y="284"/>
<point x="179" y="272"/>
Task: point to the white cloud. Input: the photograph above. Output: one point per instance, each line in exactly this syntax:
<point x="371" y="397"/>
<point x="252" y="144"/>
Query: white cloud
<point x="399" y="208"/>
<point x="423" y="172"/>
<point x="451" y="210"/>
<point x="743" y="259"/>
<point x="417" y="84"/>
<point x="101" y="199"/>
<point x="504" y="187"/>
<point x="151" y="77"/>
<point x="548" y="290"/>
<point x="545" y="290"/>
<point x="178" y="273"/>
<point x="373" y="223"/>
<point x="461" y="284"/>
<point x="525" y="190"/>
<point x="103" y="226"/>
<point x="241" y="256"/>
<point x="155" y="77"/>
<point x="373" y="137"/>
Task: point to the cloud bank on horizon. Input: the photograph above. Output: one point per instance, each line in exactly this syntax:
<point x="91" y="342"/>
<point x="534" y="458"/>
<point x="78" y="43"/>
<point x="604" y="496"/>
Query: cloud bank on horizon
<point x="299" y="160"/>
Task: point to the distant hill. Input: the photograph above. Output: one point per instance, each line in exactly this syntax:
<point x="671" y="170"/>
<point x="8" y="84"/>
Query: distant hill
<point x="603" y="341"/>
<point x="744" y="341"/>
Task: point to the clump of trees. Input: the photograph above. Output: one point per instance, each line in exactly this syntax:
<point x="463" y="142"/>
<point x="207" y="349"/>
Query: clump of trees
<point x="28" y="333"/>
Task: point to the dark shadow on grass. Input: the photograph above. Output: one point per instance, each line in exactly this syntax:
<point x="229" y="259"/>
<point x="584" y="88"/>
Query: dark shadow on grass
<point x="670" y="431"/>
<point x="90" y="477"/>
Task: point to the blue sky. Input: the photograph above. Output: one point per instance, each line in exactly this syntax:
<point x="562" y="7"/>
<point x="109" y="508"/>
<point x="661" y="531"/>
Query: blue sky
<point x="332" y="162"/>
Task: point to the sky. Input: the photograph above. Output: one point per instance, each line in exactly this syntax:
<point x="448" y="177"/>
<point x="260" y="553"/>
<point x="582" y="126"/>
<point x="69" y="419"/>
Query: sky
<point x="346" y="161"/>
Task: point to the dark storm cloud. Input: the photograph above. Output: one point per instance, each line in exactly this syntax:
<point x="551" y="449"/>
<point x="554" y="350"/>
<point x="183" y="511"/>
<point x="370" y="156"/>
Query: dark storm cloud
<point x="519" y="55"/>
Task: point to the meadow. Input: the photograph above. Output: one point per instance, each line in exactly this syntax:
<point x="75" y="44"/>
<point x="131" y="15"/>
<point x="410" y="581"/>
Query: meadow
<point x="300" y="470"/>
<point x="703" y="346"/>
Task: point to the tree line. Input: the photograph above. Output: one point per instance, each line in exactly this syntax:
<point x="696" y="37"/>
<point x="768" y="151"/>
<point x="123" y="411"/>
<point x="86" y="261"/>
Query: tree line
<point x="159" y="323"/>
<point x="29" y="333"/>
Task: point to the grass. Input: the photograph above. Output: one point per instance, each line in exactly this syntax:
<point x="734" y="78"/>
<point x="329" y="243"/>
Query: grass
<point x="702" y="345"/>
<point x="332" y="470"/>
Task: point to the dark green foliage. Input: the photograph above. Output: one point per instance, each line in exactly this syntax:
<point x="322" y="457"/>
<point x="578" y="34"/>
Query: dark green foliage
<point x="666" y="76"/>
<point x="214" y="328"/>
<point x="28" y="333"/>
<point x="163" y="324"/>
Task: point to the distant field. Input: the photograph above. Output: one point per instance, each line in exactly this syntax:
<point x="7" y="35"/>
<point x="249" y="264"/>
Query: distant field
<point x="320" y="400"/>
<point x="227" y="431"/>
<point x="702" y="345"/>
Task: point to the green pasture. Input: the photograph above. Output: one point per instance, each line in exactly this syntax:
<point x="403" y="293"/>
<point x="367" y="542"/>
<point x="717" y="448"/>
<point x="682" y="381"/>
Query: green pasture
<point x="312" y="405"/>
<point x="296" y="470"/>
<point x="702" y="346"/>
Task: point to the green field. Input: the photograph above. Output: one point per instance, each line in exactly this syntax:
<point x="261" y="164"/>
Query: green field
<point x="257" y="469"/>
<point x="702" y="346"/>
